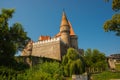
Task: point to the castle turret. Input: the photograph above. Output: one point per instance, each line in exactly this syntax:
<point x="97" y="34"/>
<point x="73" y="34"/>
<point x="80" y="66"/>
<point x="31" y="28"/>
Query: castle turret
<point x="65" y="30"/>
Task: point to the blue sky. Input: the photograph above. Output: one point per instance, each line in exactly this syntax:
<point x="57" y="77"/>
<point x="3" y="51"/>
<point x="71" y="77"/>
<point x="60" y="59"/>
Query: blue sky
<point x="43" y="17"/>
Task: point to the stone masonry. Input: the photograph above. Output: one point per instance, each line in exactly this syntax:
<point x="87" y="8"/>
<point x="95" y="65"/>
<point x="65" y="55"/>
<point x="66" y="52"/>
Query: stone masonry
<point x="56" y="46"/>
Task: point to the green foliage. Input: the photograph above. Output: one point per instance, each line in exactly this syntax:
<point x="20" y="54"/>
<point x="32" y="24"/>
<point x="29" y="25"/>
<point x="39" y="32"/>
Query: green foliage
<point x="11" y="72"/>
<point x="7" y="73"/>
<point x="94" y="59"/>
<point x="50" y="67"/>
<point x="34" y="75"/>
<point x="106" y="76"/>
<point x="76" y="67"/>
<point x="114" y="23"/>
<point x="12" y="38"/>
<point x="116" y="5"/>
<point x="72" y="63"/>
<point x="117" y="67"/>
<point x="43" y="71"/>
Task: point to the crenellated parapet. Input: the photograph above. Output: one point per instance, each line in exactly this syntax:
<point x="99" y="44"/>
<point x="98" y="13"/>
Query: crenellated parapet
<point x="48" y="48"/>
<point x="52" y="40"/>
<point x="55" y="47"/>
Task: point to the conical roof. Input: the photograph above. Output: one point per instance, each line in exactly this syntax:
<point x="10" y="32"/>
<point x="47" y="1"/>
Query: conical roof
<point x="64" y="20"/>
<point x="71" y="29"/>
<point x="72" y="33"/>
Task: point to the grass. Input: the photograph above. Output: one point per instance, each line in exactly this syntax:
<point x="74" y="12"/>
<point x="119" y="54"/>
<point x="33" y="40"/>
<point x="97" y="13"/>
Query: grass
<point x="117" y="67"/>
<point x="107" y="75"/>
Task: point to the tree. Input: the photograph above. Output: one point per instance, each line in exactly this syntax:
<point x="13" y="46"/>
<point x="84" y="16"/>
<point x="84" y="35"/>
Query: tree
<point x="114" y="23"/>
<point x="12" y="38"/>
<point x="94" y="59"/>
<point x="72" y="63"/>
<point x="88" y="58"/>
<point x="115" y="4"/>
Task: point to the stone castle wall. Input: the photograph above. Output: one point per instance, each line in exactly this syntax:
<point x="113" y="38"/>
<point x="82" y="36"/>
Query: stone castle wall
<point x="74" y="42"/>
<point x="48" y="48"/>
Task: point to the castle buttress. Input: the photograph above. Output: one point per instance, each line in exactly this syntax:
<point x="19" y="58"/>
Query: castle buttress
<point x="56" y="46"/>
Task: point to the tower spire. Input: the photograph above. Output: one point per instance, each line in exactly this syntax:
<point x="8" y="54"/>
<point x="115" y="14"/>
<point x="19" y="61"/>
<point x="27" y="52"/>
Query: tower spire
<point x="64" y="21"/>
<point x="65" y="30"/>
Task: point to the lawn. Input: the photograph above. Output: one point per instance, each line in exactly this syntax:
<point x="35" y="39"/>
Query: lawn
<point x="107" y="75"/>
<point x="117" y="67"/>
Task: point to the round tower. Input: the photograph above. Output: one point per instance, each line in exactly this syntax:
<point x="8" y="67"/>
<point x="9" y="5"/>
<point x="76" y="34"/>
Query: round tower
<point x="65" y="30"/>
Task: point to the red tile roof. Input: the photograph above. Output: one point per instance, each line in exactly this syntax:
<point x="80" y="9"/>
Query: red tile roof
<point x="41" y="38"/>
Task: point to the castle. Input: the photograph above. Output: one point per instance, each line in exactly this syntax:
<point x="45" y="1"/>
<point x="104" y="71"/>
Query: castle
<point x="56" y="46"/>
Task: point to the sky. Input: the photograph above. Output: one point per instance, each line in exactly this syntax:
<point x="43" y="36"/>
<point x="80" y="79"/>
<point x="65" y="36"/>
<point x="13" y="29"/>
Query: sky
<point x="43" y="17"/>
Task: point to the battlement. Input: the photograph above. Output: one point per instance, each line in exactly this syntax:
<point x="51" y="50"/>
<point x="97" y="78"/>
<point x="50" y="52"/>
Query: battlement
<point x="47" y="41"/>
<point x="47" y="48"/>
<point x="56" y="46"/>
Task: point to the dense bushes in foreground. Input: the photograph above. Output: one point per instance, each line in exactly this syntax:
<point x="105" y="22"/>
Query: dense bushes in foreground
<point x="72" y="63"/>
<point x="47" y="69"/>
<point x="44" y="71"/>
